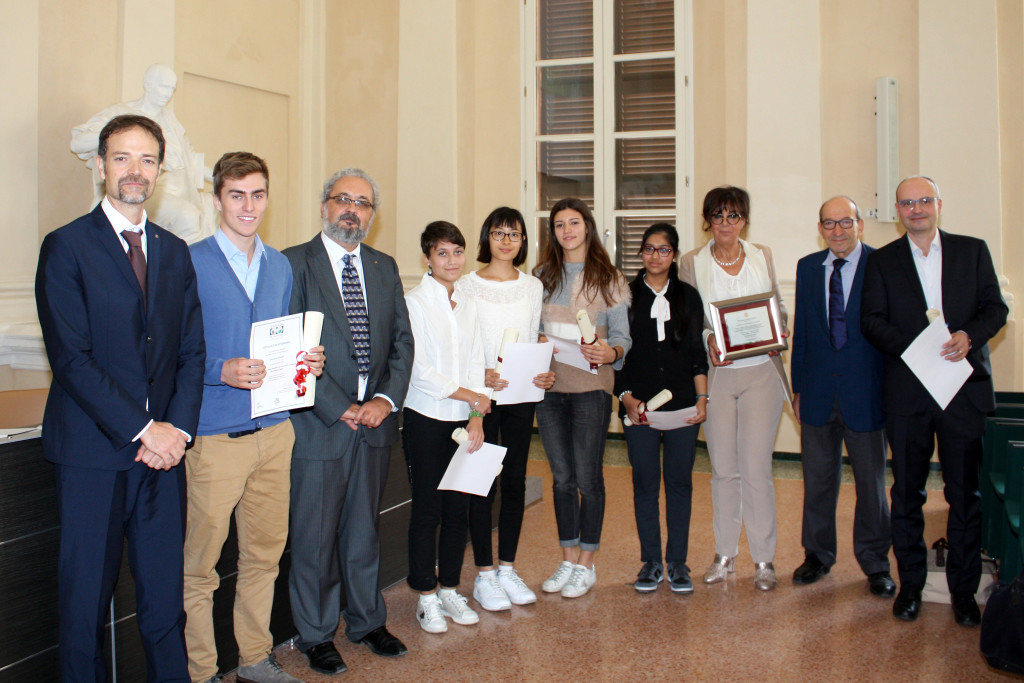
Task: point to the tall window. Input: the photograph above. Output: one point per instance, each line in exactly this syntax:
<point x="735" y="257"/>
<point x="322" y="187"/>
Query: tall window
<point x="607" y="115"/>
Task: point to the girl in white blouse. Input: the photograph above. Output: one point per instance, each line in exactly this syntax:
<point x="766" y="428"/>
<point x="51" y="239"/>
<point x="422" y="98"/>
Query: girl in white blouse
<point x="446" y="392"/>
<point x="506" y="298"/>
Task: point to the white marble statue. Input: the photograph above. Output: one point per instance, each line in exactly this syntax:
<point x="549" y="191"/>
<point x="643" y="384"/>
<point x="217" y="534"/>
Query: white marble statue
<point x="179" y="202"/>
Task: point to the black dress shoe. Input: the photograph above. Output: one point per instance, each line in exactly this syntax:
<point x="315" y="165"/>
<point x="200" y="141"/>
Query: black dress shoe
<point x="325" y="659"/>
<point x="907" y="604"/>
<point x="383" y="643"/>
<point x="965" y="609"/>
<point x="881" y="584"/>
<point x="810" y="571"/>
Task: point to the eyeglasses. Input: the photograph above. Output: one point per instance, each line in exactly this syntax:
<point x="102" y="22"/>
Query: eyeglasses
<point x="500" y="235"/>
<point x="925" y="202"/>
<point x="844" y="223"/>
<point x="344" y="200"/>
<point x="649" y="249"/>
<point x="718" y="218"/>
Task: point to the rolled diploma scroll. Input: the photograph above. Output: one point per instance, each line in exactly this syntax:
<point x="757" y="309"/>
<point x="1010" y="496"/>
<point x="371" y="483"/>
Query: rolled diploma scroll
<point x="312" y="326"/>
<point x="460" y="436"/>
<point x="587" y="334"/>
<point x="510" y="337"/>
<point x="657" y="401"/>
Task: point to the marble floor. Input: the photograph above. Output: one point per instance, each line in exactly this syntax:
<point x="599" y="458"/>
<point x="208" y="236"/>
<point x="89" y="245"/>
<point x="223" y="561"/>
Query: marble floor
<point x="834" y="630"/>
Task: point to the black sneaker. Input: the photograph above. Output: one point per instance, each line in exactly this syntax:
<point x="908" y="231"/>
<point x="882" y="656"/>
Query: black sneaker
<point x="679" y="578"/>
<point x="649" y="577"/>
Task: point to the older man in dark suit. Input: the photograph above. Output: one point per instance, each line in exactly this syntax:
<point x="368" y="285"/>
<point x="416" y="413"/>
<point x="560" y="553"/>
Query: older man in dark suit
<point x="120" y="316"/>
<point x="837" y="387"/>
<point x="343" y="444"/>
<point x="930" y="269"/>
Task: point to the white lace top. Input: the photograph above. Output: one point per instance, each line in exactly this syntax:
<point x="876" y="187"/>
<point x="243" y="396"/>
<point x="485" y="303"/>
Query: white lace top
<point x="515" y="304"/>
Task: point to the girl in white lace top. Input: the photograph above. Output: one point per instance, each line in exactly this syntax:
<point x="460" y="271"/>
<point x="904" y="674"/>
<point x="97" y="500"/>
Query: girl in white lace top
<point x="506" y="298"/>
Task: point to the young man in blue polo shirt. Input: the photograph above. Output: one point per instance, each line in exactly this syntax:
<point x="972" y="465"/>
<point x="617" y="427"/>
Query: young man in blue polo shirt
<point x="238" y="465"/>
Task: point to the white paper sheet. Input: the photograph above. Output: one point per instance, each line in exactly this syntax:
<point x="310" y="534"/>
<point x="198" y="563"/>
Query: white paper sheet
<point x="942" y="378"/>
<point x="569" y="352"/>
<point x="671" y="419"/>
<point x="473" y="472"/>
<point x="519" y="365"/>
<point x="279" y="343"/>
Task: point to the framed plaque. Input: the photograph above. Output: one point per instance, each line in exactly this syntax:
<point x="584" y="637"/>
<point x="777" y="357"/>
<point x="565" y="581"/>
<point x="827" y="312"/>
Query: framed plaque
<point x="747" y="326"/>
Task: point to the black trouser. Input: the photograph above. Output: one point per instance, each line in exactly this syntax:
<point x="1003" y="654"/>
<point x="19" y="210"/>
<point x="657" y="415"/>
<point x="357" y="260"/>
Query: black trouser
<point x="514" y="423"/>
<point x="958" y="429"/>
<point x="429" y="449"/>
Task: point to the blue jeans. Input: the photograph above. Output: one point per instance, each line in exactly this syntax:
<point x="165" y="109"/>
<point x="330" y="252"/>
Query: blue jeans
<point x="573" y="429"/>
<point x="645" y="447"/>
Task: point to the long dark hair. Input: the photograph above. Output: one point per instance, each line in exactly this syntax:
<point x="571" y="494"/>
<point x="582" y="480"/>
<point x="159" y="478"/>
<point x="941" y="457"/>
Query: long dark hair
<point x="599" y="275"/>
<point x="677" y="292"/>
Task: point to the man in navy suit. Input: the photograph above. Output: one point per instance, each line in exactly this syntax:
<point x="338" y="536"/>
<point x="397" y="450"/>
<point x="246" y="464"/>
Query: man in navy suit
<point x="837" y="387"/>
<point x="930" y="269"/>
<point x="120" y="317"/>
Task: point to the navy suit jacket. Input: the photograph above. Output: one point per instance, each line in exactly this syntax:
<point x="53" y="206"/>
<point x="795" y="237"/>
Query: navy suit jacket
<point x="894" y="313"/>
<point x="110" y="352"/>
<point x="315" y="288"/>
<point x="821" y="374"/>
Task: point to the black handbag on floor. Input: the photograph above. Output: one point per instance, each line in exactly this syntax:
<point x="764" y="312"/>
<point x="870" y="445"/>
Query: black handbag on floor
<point x="1002" y="627"/>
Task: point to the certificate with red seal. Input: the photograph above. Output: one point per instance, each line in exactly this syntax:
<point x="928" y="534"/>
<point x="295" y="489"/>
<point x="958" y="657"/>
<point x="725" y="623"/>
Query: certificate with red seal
<point x="747" y="326"/>
<point x="281" y="343"/>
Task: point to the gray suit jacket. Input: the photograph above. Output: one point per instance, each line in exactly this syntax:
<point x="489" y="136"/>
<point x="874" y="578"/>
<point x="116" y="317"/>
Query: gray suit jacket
<point x="320" y="434"/>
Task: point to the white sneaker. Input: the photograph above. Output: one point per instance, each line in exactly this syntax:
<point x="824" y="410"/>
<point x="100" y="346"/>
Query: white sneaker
<point x="515" y="588"/>
<point x="557" y="581"/>
<point x="429" y="614"/>
<point x="489" y="593"/>
<point x="457" y="607"/>
<point x="580" y="581"/>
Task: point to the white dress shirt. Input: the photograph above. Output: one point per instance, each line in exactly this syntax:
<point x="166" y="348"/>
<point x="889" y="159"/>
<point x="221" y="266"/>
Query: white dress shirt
<point x="929" y="271"/>
<point x="745" y="283"/>
<point x="336" y="253"/>
<point x="120" y="223"/>
<point x="848" y="272"/>
<point x="449" y="351"/>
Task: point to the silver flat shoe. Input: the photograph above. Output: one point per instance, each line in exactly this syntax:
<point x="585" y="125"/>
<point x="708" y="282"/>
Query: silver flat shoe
<point x="764" y="576"/>
<point x="720" y="569"/>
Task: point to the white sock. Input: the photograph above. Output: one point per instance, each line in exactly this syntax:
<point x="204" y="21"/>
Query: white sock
<point x="444" y="592"/>
<point x="486" y="573"/>
<point x="428" y="597"/>
<point x="505" y="568"/>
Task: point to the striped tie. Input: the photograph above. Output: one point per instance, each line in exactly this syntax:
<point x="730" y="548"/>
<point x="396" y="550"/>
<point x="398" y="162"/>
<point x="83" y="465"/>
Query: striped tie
<point x="355" y="308"/>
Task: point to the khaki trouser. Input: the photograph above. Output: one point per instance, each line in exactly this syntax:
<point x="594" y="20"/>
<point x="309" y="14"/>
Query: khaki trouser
<point x="743" y="418"/>
<point x="250" y="477"/>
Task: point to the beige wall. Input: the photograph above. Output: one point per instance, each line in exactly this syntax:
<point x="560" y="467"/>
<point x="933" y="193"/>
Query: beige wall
<point x="428" y="98"/>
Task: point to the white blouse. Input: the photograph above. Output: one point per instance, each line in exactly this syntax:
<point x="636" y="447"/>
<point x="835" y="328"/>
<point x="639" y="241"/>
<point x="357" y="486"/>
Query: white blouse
<point x="514" y="305"/>
<point x="449" y="351"/>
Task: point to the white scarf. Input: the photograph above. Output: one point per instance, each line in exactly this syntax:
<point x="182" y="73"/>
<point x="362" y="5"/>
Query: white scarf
<point x="660" y="310"/>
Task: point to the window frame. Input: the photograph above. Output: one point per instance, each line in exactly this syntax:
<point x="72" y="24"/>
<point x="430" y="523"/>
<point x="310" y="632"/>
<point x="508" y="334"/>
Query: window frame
<point x="604" y="137"/>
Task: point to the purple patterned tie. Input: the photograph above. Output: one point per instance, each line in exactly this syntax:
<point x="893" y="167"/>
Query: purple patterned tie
<point x="355" y="309"/>
<point x="837" y="305"/>
<point x="136" y="257"/>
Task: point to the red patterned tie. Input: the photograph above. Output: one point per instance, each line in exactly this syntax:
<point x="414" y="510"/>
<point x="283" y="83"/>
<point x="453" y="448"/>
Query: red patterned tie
<point x="136" y="256"/>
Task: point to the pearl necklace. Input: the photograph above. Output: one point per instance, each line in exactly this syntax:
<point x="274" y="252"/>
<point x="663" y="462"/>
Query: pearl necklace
<point x="730" y="263"/>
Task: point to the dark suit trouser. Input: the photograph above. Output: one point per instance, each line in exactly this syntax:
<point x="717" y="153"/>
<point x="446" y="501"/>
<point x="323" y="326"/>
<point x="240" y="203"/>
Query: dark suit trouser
<point x="335" y="534"/>
<point x="959" y="430"/>
<point x="98" y="509"/>
<point x="822" y="459"/>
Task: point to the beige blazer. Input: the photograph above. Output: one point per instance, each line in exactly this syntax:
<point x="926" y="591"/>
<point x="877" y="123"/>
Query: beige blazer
<point x="695" y="269"/>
